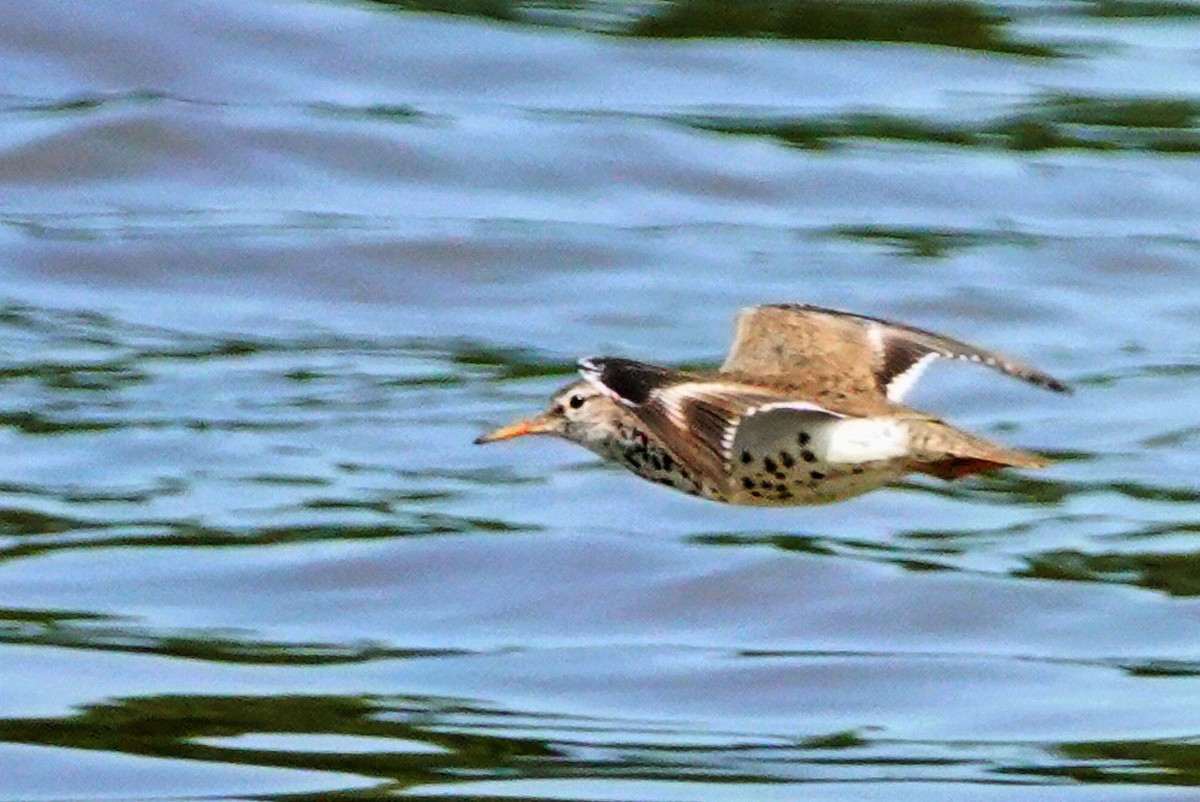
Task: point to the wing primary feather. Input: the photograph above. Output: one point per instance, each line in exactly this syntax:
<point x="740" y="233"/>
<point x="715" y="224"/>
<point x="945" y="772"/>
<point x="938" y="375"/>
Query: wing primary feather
<point x="712" y="425"/>
<point x="796" y="339"/>
<point x="905" y="348"/>
<point x="943" y="346"/>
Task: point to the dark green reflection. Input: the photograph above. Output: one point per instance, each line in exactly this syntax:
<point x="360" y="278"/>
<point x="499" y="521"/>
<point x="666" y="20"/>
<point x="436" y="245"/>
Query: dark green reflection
<point x="1147" y="762"/>
<point x="904" y="556"/>
<point x="469" y="740"/>
<point x="1174" y="573"/>
<point x="462" y="740"/>
<point x="1161" y="668"/>
<point x="120" y="355"/>
<point x="169" y="726"/>
<point x="391" y="113"/>
<point x="92" y="631"/>
<point x="502" y="10"/>
<point x="948" y="23"/>
<point x="954" y="24"/>
<point x="1177" y="574"/>
<point x="187" y="534"/>
<point x="1164" y="125"/>
<point x="1013" y="487"/>
<point x="926" y="243"/>
<point x="510" y="363"/>
<point x="99" y="377"/>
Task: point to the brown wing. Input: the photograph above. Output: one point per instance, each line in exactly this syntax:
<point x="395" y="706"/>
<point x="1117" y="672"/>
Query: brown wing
<point x="797" y="344"/>
<point x="696" y="419"/>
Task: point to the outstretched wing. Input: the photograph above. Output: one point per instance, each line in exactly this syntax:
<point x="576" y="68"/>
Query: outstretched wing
<point x="702" y="422"/>
<point x="856" y="353"/>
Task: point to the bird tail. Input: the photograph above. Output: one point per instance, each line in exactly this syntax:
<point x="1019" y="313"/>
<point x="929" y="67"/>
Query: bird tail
<point x="941" y="450"/>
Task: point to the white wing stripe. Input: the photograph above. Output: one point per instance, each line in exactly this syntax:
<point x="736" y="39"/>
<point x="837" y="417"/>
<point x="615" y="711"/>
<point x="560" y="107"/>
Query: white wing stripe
<point x="799" y="406"/>
<point x="899" y="386"/>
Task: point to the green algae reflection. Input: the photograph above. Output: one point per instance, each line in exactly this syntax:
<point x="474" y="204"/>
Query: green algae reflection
<point x="947" y="23"/>
<point x="426" y="742"/>
<point x="1105" y="124"/>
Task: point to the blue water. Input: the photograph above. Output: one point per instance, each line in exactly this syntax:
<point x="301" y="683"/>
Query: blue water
<point x="267" y="268"/>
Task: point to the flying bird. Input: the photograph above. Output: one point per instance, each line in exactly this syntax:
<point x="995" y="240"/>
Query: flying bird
<point x="806" y="409"/>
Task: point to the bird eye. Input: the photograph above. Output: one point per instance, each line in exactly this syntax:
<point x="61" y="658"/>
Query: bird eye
<point x="576" y="401"/>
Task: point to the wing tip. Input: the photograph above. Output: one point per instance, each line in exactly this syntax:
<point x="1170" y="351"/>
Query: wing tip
<point x="1038" y="379"/>
<point x="1054" y="385"/>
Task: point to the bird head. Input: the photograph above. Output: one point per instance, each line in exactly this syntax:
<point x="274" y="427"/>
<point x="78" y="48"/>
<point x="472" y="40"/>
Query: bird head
<point x="579" y="412"/>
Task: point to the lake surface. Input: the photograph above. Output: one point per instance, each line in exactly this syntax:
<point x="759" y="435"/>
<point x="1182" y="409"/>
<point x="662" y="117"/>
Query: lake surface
<point x="269" y="267"/>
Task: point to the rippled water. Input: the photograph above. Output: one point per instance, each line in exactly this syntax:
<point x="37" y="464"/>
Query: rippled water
<point x="269" y="267"/>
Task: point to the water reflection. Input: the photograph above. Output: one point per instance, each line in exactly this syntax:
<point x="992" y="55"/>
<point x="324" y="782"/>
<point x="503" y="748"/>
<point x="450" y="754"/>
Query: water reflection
<point x="256" y="308"/>
<point x="952" y="23"/>
<point x="414" y="742"/>
<point x="1175" y="573"/>
<point x="1162" y="125"/>
<point x="95" y="631"/>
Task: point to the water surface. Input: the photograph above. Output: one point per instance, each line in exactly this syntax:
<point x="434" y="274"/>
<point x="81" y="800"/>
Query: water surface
<point x="269" y="267"/>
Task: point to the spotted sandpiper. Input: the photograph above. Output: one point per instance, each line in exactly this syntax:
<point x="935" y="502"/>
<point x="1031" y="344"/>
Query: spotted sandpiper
<point x="806" y="409"/>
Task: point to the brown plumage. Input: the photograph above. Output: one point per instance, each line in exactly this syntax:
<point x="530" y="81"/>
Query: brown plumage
<point x="806" y="409"/>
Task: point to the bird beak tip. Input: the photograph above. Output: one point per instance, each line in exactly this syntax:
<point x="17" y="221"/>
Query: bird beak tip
<point x="491" y="437"/>
<point x="518" y="429"/>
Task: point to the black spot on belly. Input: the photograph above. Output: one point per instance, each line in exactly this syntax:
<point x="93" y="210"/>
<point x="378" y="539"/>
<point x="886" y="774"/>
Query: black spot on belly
<point x="802" y="438"/>
<point x="786" y="459"/>
<point x="755" y="494"/>
<point x="816" y="475"/>
<point x="808" y="456"/>
<point x="784" y="495"/>
<point x="770" y="465"/>
<point x="656" y="462"/>
<point x="780" y="475"/>
<point x="746" y="458"/>
<point x="747" y="483"/>
<point x="857" y="470"/>
<point x="667" y="462"/>
<point x="781" y="488"/>
<point x="666" y="482"/>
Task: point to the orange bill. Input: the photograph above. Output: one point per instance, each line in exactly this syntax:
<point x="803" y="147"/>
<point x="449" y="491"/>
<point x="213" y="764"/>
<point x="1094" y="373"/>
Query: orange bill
<point x="538" y="424"/>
